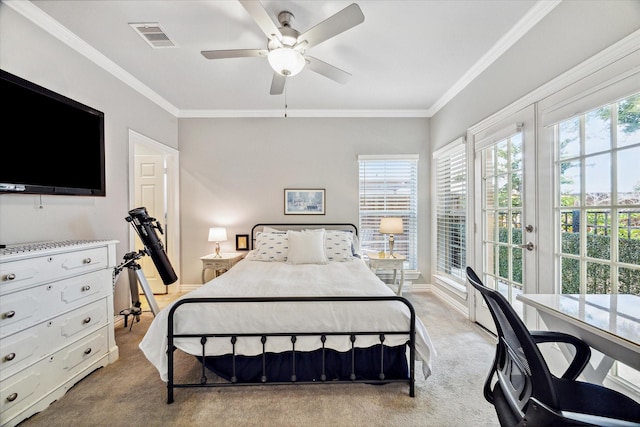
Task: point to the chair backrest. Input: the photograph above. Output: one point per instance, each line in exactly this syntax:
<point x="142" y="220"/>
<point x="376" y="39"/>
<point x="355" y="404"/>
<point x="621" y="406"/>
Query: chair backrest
<point x="520" y="367"/>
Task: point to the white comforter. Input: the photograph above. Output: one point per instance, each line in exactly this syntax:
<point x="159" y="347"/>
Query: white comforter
<point x="251" y="278"/>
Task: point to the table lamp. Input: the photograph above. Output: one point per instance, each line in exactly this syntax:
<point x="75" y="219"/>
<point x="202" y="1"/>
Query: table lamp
<point x="217" y="234"/>
<point x="391" y="226"/>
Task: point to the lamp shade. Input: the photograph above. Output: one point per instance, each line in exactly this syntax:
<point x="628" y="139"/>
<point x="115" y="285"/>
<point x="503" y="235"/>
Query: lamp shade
<point x="217" y="234"/>
<point x="286" y="61"/>
<point x="391" y="226"/>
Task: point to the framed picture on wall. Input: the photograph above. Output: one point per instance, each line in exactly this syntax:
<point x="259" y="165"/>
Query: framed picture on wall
<point x="304" y="201"/>
<point x="242" y="242"/>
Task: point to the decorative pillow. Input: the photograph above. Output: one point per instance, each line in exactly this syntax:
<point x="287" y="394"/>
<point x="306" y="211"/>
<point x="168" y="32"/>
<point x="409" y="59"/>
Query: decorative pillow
<point x="339" y="245"/>
<point x="267" y="229"/>
<point x="306" y="247"/>
<point x="271" y="246"/>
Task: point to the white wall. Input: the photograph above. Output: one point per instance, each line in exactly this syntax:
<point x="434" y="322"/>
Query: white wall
<point x="234" y="172"/>
<point x="29" y="52"/>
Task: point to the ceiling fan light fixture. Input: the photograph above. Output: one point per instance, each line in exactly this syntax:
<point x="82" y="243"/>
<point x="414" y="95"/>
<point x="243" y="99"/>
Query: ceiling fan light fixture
<point x="286" y="61"/>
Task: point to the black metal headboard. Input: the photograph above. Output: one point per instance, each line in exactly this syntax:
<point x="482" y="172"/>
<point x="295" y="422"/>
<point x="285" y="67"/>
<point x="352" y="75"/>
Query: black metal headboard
<point x="299" y="226"/>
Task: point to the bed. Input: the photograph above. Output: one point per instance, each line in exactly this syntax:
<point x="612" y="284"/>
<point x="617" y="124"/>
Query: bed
<point x="301" y="308"/>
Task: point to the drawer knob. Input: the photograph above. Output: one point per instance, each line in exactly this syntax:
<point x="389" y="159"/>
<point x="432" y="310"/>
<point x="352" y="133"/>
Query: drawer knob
<point x="87" y="320"/>
<point x="87" y="351"/>
<point x="8" y="314"/>
<point x="12" y="397"/>
<point x="86" y="288"/>
<point x="9" y="357"/>
<point x="87" y="261"/>
<point x="10" y="276"/>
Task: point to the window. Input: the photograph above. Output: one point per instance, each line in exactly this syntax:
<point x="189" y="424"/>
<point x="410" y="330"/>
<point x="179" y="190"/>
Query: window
<point x="598" y="202"/>
<point x="450" y="210"/>
<point x="389" y="188"/>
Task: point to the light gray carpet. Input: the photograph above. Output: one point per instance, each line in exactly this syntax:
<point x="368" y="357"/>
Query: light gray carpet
<point x="130" y="392"/>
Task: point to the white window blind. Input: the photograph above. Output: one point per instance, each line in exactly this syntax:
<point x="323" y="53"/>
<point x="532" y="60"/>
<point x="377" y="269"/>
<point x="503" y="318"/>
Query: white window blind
<point x="450" y="182"/>
<point x="389" y="188"/>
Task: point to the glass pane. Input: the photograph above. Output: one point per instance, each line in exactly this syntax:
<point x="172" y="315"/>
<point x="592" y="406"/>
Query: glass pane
<point x="516" y="228"/>
<point x="502" y="157"/>
<point x="516" y="189"/>
<point x="503" y="288"/>
<point x="598" y="130"/>
<point x="570" y="269"/>
<point x="597" y="179"/>
<point x="490" y="227"/>
<point x="503" y="226"/>
<point x="516" y="152"/>
<point x="570" y="220"/>
<point x="569" y="137"/>
<point x="490" y="193"/>
<point x="503" y="191"/>
<point x="628" y="176"/>
<point x="503" y="261"/>
<point x="629" y="237"/>
<point x="517" y="264"/>
<point x="629" y="281"/>
<point x="488" y="164"/>
<point x="629" y="121"/>
<point x="598" y="278"/>
<point x="490" y="264"/>
<point x="599" y="234"/>
<point x="570" y="183"/>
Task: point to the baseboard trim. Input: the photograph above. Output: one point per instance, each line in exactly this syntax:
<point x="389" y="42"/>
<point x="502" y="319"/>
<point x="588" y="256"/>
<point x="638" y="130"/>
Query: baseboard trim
<point x="454" y="303"/>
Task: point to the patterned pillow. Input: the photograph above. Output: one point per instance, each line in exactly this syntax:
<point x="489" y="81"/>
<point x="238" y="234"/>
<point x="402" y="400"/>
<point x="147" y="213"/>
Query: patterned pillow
<point x="271" y="246"/>
<point x="339" y="245"/>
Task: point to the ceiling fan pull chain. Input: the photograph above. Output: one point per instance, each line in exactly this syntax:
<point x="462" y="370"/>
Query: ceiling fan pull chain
<point x="285" y="102"/>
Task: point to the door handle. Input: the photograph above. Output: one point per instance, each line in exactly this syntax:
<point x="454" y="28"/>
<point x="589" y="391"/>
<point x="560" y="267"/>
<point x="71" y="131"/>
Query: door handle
<point x="528" y="246"/>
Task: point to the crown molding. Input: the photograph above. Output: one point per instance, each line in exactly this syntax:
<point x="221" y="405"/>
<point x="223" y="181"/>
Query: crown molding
<point x="302" y="113"/>
<point x="522" y="27"/>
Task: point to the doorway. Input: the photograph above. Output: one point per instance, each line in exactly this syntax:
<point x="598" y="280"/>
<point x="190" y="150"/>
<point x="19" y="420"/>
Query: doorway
<point x="154" y="185"/>
<point x="505" y="242"/>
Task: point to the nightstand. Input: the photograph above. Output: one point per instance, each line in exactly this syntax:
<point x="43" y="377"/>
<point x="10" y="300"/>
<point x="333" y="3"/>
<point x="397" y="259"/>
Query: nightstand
<point x="387" y="263"/>
<point x="220" y="264"/>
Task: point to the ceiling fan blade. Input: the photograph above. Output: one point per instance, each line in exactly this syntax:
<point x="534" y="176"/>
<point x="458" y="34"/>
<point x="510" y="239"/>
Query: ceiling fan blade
<point x="262" y="18"/>
<point x="327" y="70"/>
<point x="347" y="18"/>
<point x="234" y="53"/>
<point x="277" y="84"/>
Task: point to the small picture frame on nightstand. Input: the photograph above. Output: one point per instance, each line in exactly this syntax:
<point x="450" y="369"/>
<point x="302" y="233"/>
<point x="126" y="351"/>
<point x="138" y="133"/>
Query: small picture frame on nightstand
<point x="242" y="242"/>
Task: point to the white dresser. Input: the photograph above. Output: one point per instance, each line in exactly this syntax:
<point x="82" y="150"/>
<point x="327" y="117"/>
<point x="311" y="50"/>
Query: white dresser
<point x="56" y="321"/>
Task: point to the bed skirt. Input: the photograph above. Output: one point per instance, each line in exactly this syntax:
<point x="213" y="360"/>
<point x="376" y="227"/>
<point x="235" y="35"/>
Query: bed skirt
<point x="361" y="364"/>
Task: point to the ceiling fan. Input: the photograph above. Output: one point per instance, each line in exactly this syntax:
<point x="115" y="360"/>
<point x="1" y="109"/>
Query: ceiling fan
<point x="286" y="47"/>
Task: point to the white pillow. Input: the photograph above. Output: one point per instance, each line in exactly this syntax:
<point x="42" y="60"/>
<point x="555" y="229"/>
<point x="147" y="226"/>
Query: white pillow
<point x="306" y="247"/>
<point x="271" y="247"/>
<point x="339" y="245"/>
<point x="267" y="229"/>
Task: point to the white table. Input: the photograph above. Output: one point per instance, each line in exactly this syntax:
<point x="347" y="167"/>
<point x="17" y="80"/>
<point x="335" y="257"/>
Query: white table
<point x="387" y="262"/>
<point x="220" y="264"/>
<point x="608" y="323"/>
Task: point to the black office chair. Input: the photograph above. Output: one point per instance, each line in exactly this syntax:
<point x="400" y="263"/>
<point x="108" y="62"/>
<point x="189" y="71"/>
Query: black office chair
<point x="527" y="394"/>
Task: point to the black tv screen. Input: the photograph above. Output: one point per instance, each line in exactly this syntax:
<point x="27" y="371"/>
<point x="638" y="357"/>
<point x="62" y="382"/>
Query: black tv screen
<point x="51" y="144"/>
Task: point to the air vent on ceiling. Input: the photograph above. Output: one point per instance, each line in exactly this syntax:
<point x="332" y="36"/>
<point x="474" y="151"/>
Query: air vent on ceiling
<point x="152" y="34"/>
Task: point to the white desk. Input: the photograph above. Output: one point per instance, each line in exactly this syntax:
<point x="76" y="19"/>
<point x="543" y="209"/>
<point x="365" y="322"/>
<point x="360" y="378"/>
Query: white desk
<point x="607" y="323"/>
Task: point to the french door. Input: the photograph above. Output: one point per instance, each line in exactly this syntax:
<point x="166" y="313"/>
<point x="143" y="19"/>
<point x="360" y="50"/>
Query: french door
<point x="505" y="242"/>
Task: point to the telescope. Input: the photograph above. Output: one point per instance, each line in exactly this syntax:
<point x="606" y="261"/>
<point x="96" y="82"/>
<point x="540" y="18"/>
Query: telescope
<point x="145" y="227"/>
<point x="143" y="224"/>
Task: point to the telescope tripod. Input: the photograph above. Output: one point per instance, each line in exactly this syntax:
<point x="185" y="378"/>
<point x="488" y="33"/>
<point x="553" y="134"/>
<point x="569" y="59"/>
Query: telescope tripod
<point x="136" y="275"/>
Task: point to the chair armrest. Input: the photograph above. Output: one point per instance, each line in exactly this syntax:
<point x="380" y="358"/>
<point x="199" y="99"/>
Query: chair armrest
<point x="582" y="350"/>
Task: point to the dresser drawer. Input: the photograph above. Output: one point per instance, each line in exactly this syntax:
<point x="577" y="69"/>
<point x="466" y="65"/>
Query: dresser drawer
<point x="18" y="351"/>
<point x="27" y="387"/>
<point x="21" y="310"/>
<point x="24" y="273"/>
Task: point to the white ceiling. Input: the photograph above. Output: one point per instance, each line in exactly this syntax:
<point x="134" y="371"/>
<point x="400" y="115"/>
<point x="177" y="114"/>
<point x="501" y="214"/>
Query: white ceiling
<point x="408" y="58"/>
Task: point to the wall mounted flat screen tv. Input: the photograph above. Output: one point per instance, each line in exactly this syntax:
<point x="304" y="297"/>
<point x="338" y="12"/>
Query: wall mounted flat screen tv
<point x="51" y="144"/>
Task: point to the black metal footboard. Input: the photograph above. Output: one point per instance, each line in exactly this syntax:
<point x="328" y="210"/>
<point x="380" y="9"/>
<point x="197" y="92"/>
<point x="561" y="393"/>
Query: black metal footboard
<point x="353" y="336"/>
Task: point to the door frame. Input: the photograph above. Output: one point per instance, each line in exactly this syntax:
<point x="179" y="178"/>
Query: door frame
<point x="173" y="196"/>
<point x="495" y="125"/>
